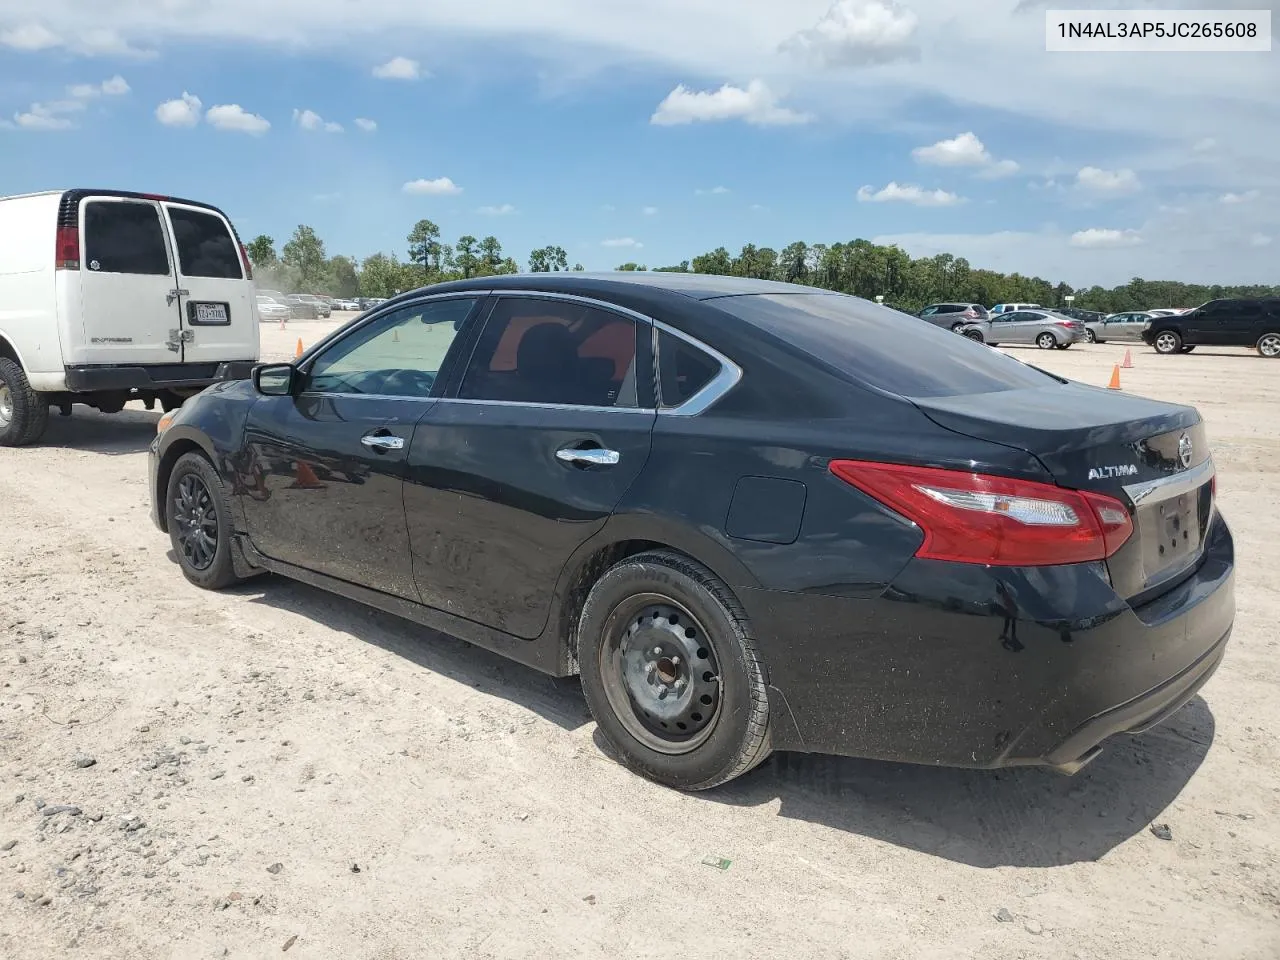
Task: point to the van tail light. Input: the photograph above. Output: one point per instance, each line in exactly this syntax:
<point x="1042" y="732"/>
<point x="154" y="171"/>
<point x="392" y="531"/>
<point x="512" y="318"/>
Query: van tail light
<point x="66" y="254"/>
<point x="248" y="264"/>
<point x="975" y="518"/>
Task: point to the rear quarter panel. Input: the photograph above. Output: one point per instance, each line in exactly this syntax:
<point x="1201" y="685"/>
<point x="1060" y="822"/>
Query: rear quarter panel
<point x="30" y="312"/>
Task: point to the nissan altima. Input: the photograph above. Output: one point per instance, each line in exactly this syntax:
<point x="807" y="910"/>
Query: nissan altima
<point x="751" y="516"/>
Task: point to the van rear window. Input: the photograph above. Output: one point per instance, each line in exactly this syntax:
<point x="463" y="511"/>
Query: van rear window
<point x="205" y="246"/>
<point x="124" y="237"/>
<point x="881" y="347"/>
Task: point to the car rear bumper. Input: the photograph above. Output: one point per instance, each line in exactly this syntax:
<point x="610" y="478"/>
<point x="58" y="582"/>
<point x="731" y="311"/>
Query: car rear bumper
<point x="168" y="376"/>
<point x="963" y="665"/>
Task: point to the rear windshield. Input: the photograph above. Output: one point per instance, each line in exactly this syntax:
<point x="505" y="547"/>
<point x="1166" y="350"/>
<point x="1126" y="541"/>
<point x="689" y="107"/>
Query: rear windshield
<point x="883" y="348"/>
<point x="205" y="248"/>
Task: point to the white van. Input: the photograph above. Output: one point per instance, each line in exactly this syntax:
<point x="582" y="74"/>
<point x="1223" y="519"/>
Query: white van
<point x="1012" y="307"/>
<point x="108" y="296"/>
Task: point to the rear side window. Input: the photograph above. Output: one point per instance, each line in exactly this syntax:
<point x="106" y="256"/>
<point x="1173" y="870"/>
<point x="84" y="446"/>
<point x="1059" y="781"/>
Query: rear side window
<point x="124" y="237"/>
<point x="553" y="351"/>
<point x="881" y="348"/>
<point x="950" y="308"/>
<point x="683" y="369"/>
<point x="205" y="246"/>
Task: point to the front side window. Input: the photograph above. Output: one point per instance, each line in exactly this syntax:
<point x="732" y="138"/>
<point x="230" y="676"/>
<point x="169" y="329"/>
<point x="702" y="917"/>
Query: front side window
<point x="205" y="245"/>
<point x="124" y="237"/>
<point x="400" y="354"/>
<point x="553" y="351"/>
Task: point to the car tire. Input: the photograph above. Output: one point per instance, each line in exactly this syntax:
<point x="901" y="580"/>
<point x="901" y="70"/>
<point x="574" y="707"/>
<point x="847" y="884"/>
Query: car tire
<point x="664" y="644"/>
<point x="1090" y="336"/>
<point x="974" y="335"/>
<point x="1063" y="346"/>
<point x="24" y="413"/>
<point x="1269" y="346"/>
<point x="957" y="327"/>
<point x="1187" y="349"/>
<point x="198" y="513"/>
<point x="1167" y="342"/>
<point x="1046" y="341"/>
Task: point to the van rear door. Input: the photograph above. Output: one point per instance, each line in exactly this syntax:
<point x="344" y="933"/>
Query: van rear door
<point x="219" y="310"/>
<point x="127" y="281"/>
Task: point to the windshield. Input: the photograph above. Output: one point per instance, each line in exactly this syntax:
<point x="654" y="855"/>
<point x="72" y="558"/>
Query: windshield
<point x="882" y="348"/>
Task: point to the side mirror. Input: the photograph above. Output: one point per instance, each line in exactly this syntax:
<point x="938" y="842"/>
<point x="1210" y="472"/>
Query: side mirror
<point x="275" y="379"/>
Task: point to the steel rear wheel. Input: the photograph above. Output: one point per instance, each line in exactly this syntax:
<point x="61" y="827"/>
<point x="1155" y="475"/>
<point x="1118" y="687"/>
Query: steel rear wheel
<point x="1167" y="341"/>
<point x="1090" y="336"/>
<point x="199" y="519"/>
<point x="671" y="672"/>
<point x="1046" y="341"/>
<point x="1269" y="345"/>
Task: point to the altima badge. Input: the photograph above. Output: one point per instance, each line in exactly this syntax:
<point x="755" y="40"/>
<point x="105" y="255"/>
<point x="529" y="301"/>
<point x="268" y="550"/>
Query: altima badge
<point x="1106" y="473"/>
<point x="1185" y="450"/>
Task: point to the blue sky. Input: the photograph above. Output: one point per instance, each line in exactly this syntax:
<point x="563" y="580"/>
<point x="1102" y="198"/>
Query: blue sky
<point x="659" y="130"/>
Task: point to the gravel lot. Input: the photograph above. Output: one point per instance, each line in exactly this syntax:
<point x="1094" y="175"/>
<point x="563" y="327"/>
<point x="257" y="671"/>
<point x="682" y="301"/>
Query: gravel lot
<point x="190" y="775"/>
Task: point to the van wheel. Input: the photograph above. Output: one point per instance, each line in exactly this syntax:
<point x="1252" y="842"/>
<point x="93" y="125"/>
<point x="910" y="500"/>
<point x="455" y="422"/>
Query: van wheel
<point x="1046" y="341"/>
<point x="24" y="414"/>
<point x="1167" y="342"/>
<point x="1269" y="345"/>
<point x="671" y="672"/>
<point x="199" y="516"/>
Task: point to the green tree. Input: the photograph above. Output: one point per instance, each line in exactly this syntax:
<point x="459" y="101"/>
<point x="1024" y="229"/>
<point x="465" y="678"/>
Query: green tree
<point x="717" y="262"/>
<point x="682" y="268"/>
<point x="262" y="252"/>
<point x="630" y="266"/>
<point x="424" y="245"/>
<point x="305" y="253"/>
<point x="465" y="255"/>
<point x="342" y="280"/>
<point x="491" y="255"/>
<point x="548" y="259"/>
<point x="578" y="268"/>
<point x="380" y="275"/>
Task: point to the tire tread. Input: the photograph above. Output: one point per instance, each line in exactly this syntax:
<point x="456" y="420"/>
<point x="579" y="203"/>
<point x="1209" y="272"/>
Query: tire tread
<point x="30" y="410"/>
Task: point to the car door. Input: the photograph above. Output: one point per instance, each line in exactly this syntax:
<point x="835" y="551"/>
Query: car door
<point x="1206" y="324"/>
<point x="1018" y="326"/>
<point x="324" y="473"/>
<point x="1241" y="326"/>
<point x="127" y="304"/>
<point x="527" y="455"/>
<point x="215" y="294"/>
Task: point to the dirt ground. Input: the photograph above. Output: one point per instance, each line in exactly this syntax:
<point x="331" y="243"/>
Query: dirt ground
<point x="275" y="769"/>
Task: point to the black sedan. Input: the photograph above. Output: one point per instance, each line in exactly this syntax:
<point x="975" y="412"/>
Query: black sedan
<point x="751" y="516"/>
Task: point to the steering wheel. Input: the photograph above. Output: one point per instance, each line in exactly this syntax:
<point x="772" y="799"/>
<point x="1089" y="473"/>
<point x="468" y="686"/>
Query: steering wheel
<point x="413" y="383"/>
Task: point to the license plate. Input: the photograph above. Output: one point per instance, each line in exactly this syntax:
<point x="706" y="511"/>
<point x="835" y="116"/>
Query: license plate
<point x="1171" y="532"/>
<point x="209" y="313"/>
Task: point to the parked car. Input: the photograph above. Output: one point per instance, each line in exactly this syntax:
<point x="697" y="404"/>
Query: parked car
<point x="1041" y="327"/>
<point x="1169" y="311"/>
<point x="1084" y="316"/>
<point x="1119" y="326"/>
<point x="952" y="315"/>
<point x="108" y="296"/>
<point x="349" y="306"/>
<point x="321" y="307"/>
<point x="270" y="309"/>
<point x="1220" y="323"/>
<point x="592" y="474"/>
<point x="302" y="308"/>
<point x="1010" y="307"/>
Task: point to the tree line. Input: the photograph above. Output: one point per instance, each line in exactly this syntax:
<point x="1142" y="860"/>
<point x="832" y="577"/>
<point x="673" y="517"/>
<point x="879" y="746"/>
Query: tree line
<point x="858" y="267"/>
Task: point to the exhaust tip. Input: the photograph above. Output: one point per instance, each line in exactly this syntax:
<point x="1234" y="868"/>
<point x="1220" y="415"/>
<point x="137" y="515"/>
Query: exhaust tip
<point x="1072" y="767"/>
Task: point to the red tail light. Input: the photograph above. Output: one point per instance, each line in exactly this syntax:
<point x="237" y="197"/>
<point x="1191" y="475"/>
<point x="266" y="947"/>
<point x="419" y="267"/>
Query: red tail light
<point x="975" y="518"/>
<point x="970" y="313"/>
<point x="66" y="249"/>
<point x="248" y="264"/>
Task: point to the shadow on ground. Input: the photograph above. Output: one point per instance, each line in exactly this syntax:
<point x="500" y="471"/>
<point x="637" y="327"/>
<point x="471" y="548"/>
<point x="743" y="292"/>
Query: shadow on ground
<point x="130" y="431"/>
<point x="1019" y="817"/>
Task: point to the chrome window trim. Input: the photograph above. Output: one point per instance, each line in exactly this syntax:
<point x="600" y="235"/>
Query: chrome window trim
<point x="366" y="396"/>
<point x="547" y="406"/>
<point x="1174" y="485"/>
<point x="719" y="385"/>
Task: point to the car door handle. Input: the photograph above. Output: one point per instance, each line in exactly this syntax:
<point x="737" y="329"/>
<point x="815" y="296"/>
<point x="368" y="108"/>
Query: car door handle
<point x="383" y="442"/>
<point x="593" y="457"/>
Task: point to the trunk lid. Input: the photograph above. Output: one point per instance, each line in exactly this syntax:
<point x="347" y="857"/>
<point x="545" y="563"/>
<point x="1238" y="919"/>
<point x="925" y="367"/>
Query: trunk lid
<point x="1152" y="456"/>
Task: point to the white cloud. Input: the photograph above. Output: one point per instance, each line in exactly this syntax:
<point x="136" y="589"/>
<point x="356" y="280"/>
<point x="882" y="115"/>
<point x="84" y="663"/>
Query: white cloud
<point x="716" y="191"/>
<point x="40" y="117"/>
<point x="1205" y="145"/>
<point x="858" y="33"/>
<point x="622" y="242"/>
<point x="757" y="105"/>
<point x="907" y="193"/>
<point x="235" y="118"/>
<point x="310" y="120"/>
<point x="1107" y="182"/>
<point x="649" y="211"/>
<point x="1102" y="237"/>
<point x="501" y="210"/>
<point x="1232" y="199"/>
<point x="440" y="187"/>
<point x="117" y="86"/>
<point x="965" y="150"/>
<point x="107" y="42"/>
<point x="368" y="126"/>
<point x="29" y="36"/>
<point x="1259" y="240"/>
<point x="398" y="68"/>
<point x="758" y="207"/>
<point x="183" y="112"/>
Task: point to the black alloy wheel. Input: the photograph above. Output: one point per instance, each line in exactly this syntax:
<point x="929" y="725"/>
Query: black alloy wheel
<point x="199" y="520"/>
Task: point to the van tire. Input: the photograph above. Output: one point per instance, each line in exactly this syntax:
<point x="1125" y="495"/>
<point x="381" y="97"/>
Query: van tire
<point x="29" y="411"/>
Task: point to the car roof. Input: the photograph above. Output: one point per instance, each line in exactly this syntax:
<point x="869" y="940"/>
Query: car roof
<point x="696" y="286"/>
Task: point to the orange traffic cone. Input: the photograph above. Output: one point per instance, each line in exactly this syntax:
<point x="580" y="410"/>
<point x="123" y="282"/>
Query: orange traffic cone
<point x="1128" y="361"/>
<point x="305" y="478"/>
<point x="298" y="352"/>
<point x="1115" y="378"/>
<point x="282" y="323"/>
